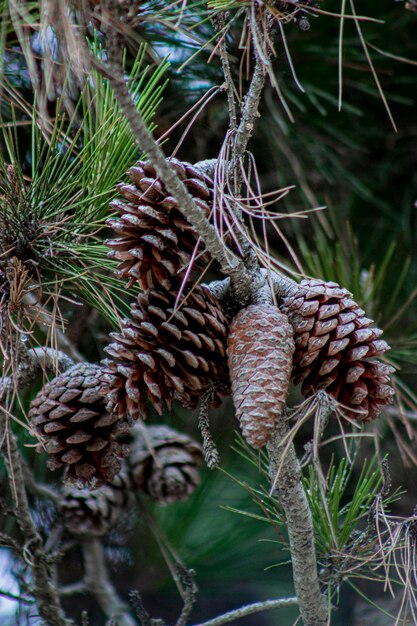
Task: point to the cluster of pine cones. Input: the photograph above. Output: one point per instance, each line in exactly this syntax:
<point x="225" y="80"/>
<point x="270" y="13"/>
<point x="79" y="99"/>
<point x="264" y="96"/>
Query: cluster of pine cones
<point x="179" y="343"/>
<point x="163" y="464"/>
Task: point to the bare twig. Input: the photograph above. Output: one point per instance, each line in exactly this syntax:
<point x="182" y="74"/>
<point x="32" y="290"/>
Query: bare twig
<point x="139" y="607"/>
<point x="219" y="21"/>
<point x="36" y="487"/>
<point x="188" y="579"/>
<point x="249" y="609"/>
<point x="98" y="582"/>
<point x="8" y="542"/>
<point x="43" y="589"/>
<point x="250" y="111"/>
<point x="285" y="474"/>
<point x="73" y="588"/>
<point x="16" y="598"/>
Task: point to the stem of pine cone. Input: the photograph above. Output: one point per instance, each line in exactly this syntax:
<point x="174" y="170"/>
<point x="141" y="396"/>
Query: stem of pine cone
<point x="44" y="591"/>
<point x="98" y="582"/>
<point x="285" y="475"/>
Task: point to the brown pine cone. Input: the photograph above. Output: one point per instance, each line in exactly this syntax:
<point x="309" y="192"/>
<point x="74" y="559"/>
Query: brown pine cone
<point x="78" y="432"/>
<point x="260" y="349"/>
<point x="334" y="348"/>
<point x="155" y="241"/>
<point x="164" y="463"/>
<point x="166" y="352"/>
<point x="87" y="512"/>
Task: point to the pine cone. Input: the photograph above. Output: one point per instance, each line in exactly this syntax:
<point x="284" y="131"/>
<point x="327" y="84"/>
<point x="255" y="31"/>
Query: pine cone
<point x="87" y="512"/>
<point x="164" y="463"/>
<point x="155" y="241"/>
<point x="260" y="349"/>
<point x="165" y="353"/>
<point x="79" y="433"/>
<point x="334" y="345"/>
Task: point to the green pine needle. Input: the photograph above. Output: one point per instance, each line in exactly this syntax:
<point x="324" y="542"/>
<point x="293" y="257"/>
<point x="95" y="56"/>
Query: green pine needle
<point x="57" y="222"/>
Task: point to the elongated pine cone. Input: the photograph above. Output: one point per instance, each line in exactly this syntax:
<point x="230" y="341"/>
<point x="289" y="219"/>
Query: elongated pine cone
<point x="79" y="433"/>
<point x="87" y="512"/>
<point x="260" y="350"/>
<point x="166" y="352"/>
<point x="334" y="348"/>
<point x="164" y="463"/>
<point x="155" y="241"/>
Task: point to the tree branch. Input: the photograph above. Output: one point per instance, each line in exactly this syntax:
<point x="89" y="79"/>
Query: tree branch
<point x="98" y="582"/>
<point x="249" y="609"/>
<point x="43" y="589"/>
<point x="34" y="361"/>
<point x="285" y="476"/>
<point x="219" y="22"/>
<point x="250" y="111"/>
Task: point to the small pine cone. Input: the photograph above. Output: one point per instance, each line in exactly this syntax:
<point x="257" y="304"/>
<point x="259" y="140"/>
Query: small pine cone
<point x="334" y="345"/>
<point x="79" y="433"/>
<point x="166" y="352"/>
<point x="164" y="463"/>
<point x="155" y="241"/>
<point x="87" y="512"/>
<point x="260" y="349"/>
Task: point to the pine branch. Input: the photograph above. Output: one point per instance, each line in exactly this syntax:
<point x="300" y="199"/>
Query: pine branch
<point x="250" y="111"/>
<point x="249" y="609"/>
<point x="219" y="22"/>
<point x="44" y="590"/>
<point x="285" y="475"/>
<point x="188" y="579"/>
<point x="98" y="582"/>
<point x="31" y="363"/>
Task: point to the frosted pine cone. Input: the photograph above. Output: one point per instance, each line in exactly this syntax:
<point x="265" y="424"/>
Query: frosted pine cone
<point x="87" y="512"/>
<point x="166" y="352"/>
<point x="260" y="349"/>
<point x="78" y="432"/>
<point x="155" y="241"/>
<point x="164" y="463"/>
<point x="334" y="348"/>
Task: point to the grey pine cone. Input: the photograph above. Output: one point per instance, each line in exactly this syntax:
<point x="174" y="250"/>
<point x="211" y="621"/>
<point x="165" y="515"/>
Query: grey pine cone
<point x="164" y="463"/>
